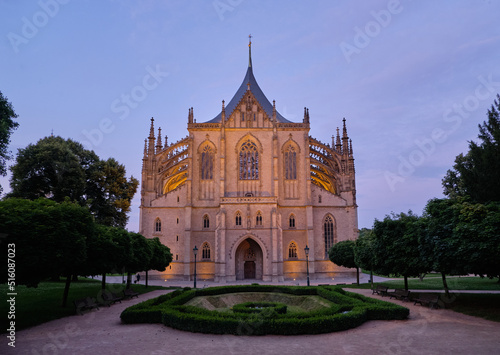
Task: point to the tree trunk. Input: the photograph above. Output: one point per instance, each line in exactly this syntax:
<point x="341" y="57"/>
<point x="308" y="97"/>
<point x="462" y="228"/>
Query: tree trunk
<point x="129" y="280"/>
<point x="146" y="278"/>
<point x="66" y="290"/>
<point x="103" y="282"/>
<point x="371" y="277"/>
<point x="357" y="275"/>
<point x="406" y="282"/>
<point x="445" y="284"/>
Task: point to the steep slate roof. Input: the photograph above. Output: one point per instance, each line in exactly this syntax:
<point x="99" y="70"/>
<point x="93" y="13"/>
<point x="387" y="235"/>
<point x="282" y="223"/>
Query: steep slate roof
<point x="256" y="91"/>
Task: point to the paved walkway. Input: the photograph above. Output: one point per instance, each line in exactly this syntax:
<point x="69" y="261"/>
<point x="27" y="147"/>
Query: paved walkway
<point x="101" y="332"/>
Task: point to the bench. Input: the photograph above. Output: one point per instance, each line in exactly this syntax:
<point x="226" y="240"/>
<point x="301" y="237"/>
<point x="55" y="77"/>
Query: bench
<point x="380" y="290"/>
<point x="401" y="294"/>
<point x="129" y="293"/>
<point x="85" y="303"/>
<point x="431" y="300"/>
<point x="110" y="298"/>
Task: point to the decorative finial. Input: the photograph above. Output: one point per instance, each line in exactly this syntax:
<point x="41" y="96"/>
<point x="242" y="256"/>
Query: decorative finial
<point x="151" y="129"/>
<point x="249" y="51"/>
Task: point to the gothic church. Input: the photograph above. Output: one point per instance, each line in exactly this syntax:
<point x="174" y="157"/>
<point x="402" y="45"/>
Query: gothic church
<point x="250" y="190"/>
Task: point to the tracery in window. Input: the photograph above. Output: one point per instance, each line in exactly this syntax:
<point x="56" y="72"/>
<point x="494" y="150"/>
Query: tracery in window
<point x="258" y="219"/>
<point x="238" y="218"/>
<point x="249" y="161"/>
<point x="329" y="234"/>
<point x="292" y="251"/>
<point x="207" y="163"/>
<point x="157" y="225"/>
<point x="206" y="221"/>
<point x="290" y="161"/>
<point x="205" y="251"/>
<point x="292" y="221"/>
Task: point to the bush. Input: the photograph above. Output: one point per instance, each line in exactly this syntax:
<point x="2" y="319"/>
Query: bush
<point x="349" y="311"/>
<point x="260" y="307"/>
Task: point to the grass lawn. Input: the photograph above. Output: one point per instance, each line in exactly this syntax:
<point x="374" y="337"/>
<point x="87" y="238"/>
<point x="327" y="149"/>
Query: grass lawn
<point x="486" y="306"/>
<point x="39" y="305"/>
<point x="436" y="283"/>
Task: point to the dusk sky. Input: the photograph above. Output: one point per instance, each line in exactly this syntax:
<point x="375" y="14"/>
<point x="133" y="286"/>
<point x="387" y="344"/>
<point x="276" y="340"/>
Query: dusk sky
<point x="412" y="78"/>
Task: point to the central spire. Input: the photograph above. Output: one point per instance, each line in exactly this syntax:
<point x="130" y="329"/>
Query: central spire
<point x="249" y="84"/>
<point x="249" y="51"/>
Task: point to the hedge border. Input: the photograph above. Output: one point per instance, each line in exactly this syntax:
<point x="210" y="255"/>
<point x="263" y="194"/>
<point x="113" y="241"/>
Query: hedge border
<point x="352" y="310"/>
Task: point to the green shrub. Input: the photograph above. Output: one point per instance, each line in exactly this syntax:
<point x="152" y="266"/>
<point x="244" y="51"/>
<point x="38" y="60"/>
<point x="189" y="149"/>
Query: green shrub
<point x="348" y="311"/>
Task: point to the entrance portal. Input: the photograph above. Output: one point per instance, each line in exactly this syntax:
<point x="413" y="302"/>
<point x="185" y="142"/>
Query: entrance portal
<point x="249" y="269"/>
<point x="248" y="260"/>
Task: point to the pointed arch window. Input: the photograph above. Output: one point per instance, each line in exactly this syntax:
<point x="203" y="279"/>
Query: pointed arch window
<point x="329" y="234"/>
<point x="238" y="218"/>
<point x="292" y="251"/>
<point x="258" y="219"/>
<point x="290" y="161"/>
<point x="158" y="225"/>
<point x="291" y="221"/>
<point x="207" y="163"/>
<point x="205" y="251"/>
<point x="249" y="161"/>
<point x="206" y="221"/>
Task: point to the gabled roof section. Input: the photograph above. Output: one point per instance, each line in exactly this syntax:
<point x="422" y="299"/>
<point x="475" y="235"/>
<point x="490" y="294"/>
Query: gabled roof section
<point x="249" y="83"/>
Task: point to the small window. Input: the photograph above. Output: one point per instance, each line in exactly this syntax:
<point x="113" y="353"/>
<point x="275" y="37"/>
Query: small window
<point x="206" y="221"/>
<point x="238" y="218"/>
<point x="258" y="219"/>
<point x="254" y="118"/>
<point x="242" y="116"/>
<point x="292" y="221"/>
<point x="205" y="251"/>
<point x="176" y="256"/>
<point x="292" y="251"/>
<point x="177" y="220"/>
<point x="177" y="238"/>
<point x="319" y="199"/>
<point x="177" y="198"/>
<point x="157" y="225"/>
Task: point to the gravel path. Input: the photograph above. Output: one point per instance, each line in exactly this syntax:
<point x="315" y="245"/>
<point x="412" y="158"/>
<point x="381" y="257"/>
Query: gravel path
<point x="101" y="332"/>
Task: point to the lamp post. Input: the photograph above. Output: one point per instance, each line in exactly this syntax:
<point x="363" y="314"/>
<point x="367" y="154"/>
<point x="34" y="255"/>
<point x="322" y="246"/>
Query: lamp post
<point x="306" y="250"/>
<point x="195" y="252"/>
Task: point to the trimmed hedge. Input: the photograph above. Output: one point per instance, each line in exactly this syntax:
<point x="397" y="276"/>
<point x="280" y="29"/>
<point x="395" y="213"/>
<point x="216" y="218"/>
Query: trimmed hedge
<point x="349" y="311"/>
<point x="260" y="307"/>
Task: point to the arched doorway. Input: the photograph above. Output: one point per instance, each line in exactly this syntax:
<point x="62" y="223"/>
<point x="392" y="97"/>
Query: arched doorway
<point x="248" y="260"/>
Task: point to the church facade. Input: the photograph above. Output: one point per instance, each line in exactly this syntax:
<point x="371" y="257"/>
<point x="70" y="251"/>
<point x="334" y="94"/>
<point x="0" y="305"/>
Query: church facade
<point x="250" y="190"/>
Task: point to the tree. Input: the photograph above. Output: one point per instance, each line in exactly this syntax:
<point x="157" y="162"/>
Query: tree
<point x="342" y="254"/>
<point x="477" y="173"/>
<point x="58" y="169"/>
<point x="103" y="253"/>
<point x="363" y="251"/>
<point x="396" y="246"/>
<point x="141" y="255"/>
<point x="477" y="231"/>
<point x="110" y="193"/>
<point x="7" y="126"/>
<point x="439" y="245"/>
<point x="161" y="256"/>
<point x="49" y="239"/>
